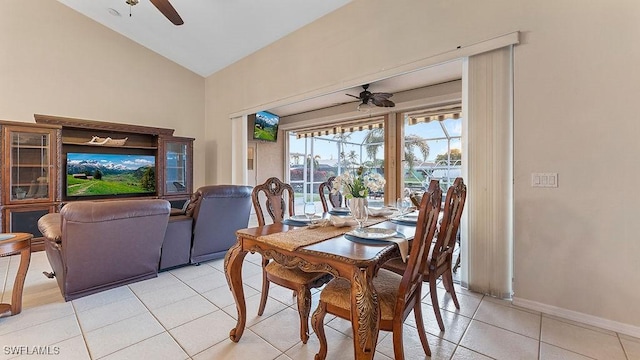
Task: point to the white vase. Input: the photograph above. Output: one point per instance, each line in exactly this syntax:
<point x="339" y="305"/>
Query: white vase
<point x="358" y="208"/>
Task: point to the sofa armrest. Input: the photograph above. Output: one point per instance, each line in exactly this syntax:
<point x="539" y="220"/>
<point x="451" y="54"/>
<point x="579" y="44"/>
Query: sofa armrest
<point x="50" y="226"/>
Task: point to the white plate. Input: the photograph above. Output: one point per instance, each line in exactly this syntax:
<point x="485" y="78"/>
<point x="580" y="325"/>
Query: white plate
<point x="304" y="219"/>
<point x="410" y="218"/>
<point x="6" y="236"/>
<point x="373" y="233"/>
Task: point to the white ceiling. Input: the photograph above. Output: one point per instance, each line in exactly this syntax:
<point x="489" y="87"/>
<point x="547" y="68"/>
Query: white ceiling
<point x="217" y="33"/>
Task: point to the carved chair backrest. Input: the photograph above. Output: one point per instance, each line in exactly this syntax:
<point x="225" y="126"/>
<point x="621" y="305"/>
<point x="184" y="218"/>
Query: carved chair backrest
<point x="275" y="192"/>
<point x="446" y="241"/>
<point x="334" y="199"/>
<point x="419" y="252"/>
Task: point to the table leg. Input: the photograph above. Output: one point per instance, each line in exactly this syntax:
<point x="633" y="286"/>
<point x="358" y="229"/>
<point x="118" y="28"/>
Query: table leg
<point x="18" y="285"/>
<point x="233" y="270"/>
<point x="365" y="315"/>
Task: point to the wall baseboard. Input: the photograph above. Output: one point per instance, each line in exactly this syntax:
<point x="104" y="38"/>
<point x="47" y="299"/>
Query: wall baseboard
<point x="603" y="323"/>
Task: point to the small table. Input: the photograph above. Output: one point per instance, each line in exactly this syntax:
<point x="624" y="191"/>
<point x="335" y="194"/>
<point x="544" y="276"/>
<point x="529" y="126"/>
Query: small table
<point x="18" y="243"/>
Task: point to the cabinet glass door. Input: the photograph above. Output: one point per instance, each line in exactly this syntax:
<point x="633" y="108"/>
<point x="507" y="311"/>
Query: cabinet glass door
<point x="30" y="168"/>
<point x="176" y="168"/>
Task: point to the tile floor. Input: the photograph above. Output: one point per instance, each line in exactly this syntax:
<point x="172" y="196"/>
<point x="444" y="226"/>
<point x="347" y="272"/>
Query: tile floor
<point x="187" y="314"/>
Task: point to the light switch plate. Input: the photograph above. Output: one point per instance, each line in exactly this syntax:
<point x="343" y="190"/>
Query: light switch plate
<point x="548" y="180"/>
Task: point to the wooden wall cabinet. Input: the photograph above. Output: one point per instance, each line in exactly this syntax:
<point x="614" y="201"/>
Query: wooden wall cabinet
<point x="33" y="175"/>
<point x="29" y="176"/>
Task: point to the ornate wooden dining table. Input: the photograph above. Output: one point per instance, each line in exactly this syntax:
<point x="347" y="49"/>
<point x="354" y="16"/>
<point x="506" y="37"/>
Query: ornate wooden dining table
<point x="319" y="250"/>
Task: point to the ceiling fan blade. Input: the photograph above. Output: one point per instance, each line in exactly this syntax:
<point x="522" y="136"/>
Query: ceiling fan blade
<point x="353" y="96"/>
<point x="381" y="95"/>
<point x="382" y="102"/>
<point x="168" y="11"/>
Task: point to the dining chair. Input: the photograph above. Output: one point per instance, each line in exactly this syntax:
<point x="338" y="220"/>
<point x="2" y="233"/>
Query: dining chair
<point x="440" y="259"/>
<point x="275" y="192"/>
<point x="397" y="294"/>
<point x="334" y="199"/>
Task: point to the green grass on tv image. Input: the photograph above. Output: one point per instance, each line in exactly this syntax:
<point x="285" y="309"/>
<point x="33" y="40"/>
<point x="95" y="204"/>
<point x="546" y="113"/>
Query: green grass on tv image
<point x="125" y="183"/>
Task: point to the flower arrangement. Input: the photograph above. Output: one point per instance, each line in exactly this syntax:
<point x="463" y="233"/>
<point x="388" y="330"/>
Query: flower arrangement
<point x="357" y="185"/>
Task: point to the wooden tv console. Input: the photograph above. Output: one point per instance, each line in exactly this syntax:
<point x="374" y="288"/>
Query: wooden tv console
<point x="33" y="177"/>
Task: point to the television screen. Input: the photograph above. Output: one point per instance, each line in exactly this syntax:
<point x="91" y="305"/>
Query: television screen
<point x="91" y="174"/>
<point x="266" y="126"/>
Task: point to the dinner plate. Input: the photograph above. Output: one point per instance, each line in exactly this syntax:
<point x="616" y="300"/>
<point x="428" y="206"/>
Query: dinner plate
<point x="304" y="219"/>
<point x="340" y="210"/>
<point x="6" y="236"/>
<point x="411" y="217"/>
<point x="373" y="233"/>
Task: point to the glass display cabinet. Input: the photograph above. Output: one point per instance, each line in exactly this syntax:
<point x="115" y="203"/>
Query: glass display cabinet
<point x="177" y="155"/>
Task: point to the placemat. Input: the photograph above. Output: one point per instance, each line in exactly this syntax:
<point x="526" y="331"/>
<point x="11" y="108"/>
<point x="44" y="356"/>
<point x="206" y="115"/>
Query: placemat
<point x="297" y="238"/>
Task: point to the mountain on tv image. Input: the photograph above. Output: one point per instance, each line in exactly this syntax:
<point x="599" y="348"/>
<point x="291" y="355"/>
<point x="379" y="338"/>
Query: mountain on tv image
<point x="266" y="126"/>
<point x="110" y="174"/>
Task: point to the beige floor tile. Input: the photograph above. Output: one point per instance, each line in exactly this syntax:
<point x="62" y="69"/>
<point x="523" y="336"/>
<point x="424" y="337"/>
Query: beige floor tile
<point x="509" y="318"/>
<point x="283" y="357"/>
<point x="581" y="340"/>
<point x="207" y="282"/>
<point x="463" y="353"/>
<point x="71" y="349"/>
<point x="159" y="347"/>
<point x="631" y="347"/>
<point x="102" y="298"/>
<point x="468" y="304"/>
<point x="110" y="313"/>
<point x="164" y="279"/>
<point x="166" y="295"/>
<point x="550" y="352"/>
<point x="339" y="347"/>
<point x="454" y="324"/>
<point x="43" y="334"/>
<point x="218" y="264"/>
<point x="222" y="297"/>
<point x="250" y="347"/>
<point x="183" y="311"/>
<point x="499" y="343"/>
<point x="253" y="303"/>
<point x="111" y="338"/>
<point x="255" y="281"/>
<point x="191" y="272"/>
<point x="204" y="332"/>
<point x="509" y="303"/>
<point x="440" y="349"/>
<point x="36" y="315"/>
<point x="582" y="325"/>
<point x="287" y="324"/>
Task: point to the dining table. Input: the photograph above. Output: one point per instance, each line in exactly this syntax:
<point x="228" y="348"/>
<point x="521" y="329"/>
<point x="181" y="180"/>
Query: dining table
<point x="325" y="249"/>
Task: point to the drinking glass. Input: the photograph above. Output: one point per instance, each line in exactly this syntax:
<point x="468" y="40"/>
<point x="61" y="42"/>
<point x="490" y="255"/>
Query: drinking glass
<point x="309" y="210"/>
<point x="403" y="205"/>
<point x="358" y="208"/>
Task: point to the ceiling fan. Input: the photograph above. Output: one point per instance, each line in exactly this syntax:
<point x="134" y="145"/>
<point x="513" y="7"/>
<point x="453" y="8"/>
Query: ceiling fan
<point x="378" y="99"/>
<point x="165" y="8"/>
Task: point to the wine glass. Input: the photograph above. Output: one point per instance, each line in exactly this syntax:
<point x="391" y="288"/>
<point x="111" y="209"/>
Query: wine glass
<point x="358" y="208"/>
<point x="403" y="205"/>
<point x="309" y="210"/>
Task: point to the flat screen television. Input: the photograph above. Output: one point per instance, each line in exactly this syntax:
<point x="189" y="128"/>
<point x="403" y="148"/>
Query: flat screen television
<point x="266" y="126"/>
<point x="109" y="175"/>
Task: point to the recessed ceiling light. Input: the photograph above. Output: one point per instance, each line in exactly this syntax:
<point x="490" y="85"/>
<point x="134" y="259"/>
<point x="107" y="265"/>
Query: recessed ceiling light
<point x="113" y="12"/>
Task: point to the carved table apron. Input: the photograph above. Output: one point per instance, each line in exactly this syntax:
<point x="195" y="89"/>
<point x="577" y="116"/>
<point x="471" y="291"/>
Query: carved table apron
<point x="355" y="262"/>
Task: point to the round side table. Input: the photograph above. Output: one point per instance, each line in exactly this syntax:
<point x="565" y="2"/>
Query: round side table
<point x="18" y="243"/>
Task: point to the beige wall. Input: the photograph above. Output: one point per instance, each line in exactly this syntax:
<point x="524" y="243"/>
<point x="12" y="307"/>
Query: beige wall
<point x="575" y="83"/>
<point x="56" y="61"/>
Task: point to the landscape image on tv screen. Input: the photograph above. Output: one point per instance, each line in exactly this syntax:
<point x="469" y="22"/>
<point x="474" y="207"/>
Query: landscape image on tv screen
<point x="90" y="174"/>
<point x="266" y="126"/>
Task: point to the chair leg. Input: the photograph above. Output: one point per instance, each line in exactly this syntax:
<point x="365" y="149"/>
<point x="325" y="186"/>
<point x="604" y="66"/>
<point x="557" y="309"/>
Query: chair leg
<point x="451" y="289"/>
<point x="265" y="287"/>
<point x="434" y="302"/>
<point x="417" y="311"/>
<point x="398" y="345"/>
<point x="317" y="321"/>
<point x="304" y="307"/>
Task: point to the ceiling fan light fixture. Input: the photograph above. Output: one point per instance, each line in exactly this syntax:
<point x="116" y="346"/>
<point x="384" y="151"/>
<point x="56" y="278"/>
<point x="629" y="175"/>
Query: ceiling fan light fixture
<point x="365" y="106"/>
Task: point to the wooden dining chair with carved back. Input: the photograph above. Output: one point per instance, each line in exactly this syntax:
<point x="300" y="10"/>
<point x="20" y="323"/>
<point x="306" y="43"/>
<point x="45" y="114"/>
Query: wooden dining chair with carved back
<point x="397" y="294"/>
<point x="326" y="197"/>
<point x="275" y="193"/>
<point x="440" y="260"/>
